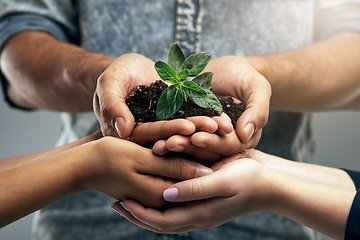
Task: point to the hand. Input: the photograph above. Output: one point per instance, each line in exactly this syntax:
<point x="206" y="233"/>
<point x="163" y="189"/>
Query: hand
<point x="115" y="84"/>
<point x="235" y="77"/>
<point x="243" y="186"/>
<point x="150" y="132"/>
<point x="213" y="139"/>
<point x="237" y="188"/>
<point x="306" y="171"/>
<point x="124" y="170"/>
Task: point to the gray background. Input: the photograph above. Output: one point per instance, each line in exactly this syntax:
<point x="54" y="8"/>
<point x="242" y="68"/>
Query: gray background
<point x="337" y="135"/>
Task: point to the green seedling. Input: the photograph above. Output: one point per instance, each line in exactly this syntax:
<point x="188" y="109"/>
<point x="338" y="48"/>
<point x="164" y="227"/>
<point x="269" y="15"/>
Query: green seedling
<point x="176" y="72"/>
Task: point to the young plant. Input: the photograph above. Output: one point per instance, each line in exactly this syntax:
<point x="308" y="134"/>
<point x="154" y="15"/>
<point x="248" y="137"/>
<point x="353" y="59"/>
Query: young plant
<point x="176" y="72"/>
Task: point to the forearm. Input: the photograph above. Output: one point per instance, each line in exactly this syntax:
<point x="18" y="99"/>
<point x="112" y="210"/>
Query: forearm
<point x="18" y="161"/>
<point x="54" y="75"/>
<point x="310" y="172"/>
<point x="321" y="76"/>
<point x="30" y="187"/>
<point x="321" y="207"/>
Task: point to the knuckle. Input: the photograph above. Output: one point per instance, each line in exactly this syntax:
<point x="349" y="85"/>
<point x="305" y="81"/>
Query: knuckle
<point x="178" y="168"/>
<point x="105" y="142"/>
<point x="195" y="189"/>
<point x="184" y="169"/>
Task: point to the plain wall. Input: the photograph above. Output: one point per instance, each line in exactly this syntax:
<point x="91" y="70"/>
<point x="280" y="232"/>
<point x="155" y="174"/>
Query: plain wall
<point x="337" y="135"/>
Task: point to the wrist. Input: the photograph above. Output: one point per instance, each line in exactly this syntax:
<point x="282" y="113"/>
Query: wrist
<point x="278" y="70"/>
<point x="81" y="69"/>
<point x="86" y="166"/>
<point x="270" y="191"/>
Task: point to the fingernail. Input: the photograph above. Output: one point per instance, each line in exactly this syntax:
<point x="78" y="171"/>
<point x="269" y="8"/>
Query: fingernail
<point x="203" y="171"/>
<point x="178" y="148"/>
<point x="162" y="153"/>
<point x="118" y="123"/>
<point x="124" y="206"/>
<point x="113" y="207"/>
<point x="249" y="130"/>
<point x="171" y="194"/>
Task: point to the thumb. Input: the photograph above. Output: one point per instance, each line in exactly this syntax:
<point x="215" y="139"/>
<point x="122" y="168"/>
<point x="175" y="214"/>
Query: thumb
<point x="205" y="187"/>
<point x="124" y="122"/>
<point x="112" y="111"/>
<point x="255" y="116"/>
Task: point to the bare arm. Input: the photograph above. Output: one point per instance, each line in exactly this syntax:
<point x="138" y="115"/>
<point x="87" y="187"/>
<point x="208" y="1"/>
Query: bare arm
<point x="18" y="161"/>
<point x="117" y="168"/>
<point x="45" y="73"/>
<point x="321" y="76"/>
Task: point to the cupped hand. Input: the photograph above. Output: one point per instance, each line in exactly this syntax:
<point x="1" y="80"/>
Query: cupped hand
<point x="116" y="83"/>
<point x="172" y="131"/>
<point x="213" y="139"/>
<point x="122" y="170"/>
<point x="235" y="77"/>
<point x="237" y="188"/>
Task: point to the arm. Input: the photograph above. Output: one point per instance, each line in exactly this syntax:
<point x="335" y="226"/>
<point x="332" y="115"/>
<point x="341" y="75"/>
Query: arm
<point x="321" y="76"/>
<point x="245" y="186"/>
<point x="117" y="168"/>
<point x="54" y="75"/>
<point x="63" y="77"/>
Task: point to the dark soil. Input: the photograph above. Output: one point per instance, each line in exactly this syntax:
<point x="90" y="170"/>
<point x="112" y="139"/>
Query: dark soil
<point x="144" y="102"/>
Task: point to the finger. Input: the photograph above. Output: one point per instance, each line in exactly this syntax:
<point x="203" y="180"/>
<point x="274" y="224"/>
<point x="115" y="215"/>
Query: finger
<point x="117" y="207"/>
<point x="209" y="186"/>
<point x="105" y="128"/>
<point x="159" y="148"/>
<point x="177" y="219"/>
<point x="112" y="107"/>
<point x="225" y="145"/>
<point x="224" y="161"/>
<point x="154" y="220"/>
<point x="224" y="124"/>
<point x="254" y="140"/>
<point x="174" y="168"/>
<point x="255" y="115"/>
<point x="183" y="144"/>
<point x="203" y="123"/>
<point x="150" y="132"/>
<point x="150" y="186"/>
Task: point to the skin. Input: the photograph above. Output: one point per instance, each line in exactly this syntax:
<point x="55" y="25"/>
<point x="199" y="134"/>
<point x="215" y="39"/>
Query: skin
<point x="322" y="197"/>
<point x="319" y="77"/>
<point x="64" y="77"/>
<point x="260" y="182"/>
<point x="222" y="144"/>
<point x="117" y="168"/>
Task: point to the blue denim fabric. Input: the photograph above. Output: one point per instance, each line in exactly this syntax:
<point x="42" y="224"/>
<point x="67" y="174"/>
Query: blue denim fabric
<point x="148" y="27"/>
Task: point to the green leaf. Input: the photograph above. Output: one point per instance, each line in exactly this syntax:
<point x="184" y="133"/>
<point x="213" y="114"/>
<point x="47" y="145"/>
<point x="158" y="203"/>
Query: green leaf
<point x="176" y="57"/>
<point x="193" y="86"/>
<point x="209" y="100"/>
<point x="169" y="103"/>
<point x="182" y="75"/>
<point x="204" y="80"/>
<point x="165" y="72"/>
<point x="196" y="63"/>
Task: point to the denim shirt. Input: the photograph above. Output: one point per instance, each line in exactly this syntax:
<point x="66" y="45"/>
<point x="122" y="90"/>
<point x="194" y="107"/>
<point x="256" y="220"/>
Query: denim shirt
<point x="148" y="27"/>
